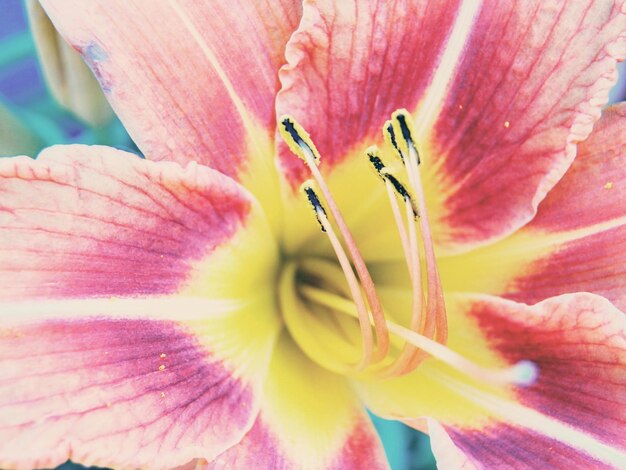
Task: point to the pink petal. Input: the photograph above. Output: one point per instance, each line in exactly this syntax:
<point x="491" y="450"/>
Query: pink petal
<point x="130" y="390"/>
<point x="530" y="89"/>
<point x="350" y="65"/>
<point x="576" y="242"/>
<point x="503" y="446"/>
<point x="593" y="191"/>
<point x="304" y="425"/>
<point x="95" y="221"/>
<point x="497" y="114"/>
<point x="262" y="448"/>
<point x="586" y="215"/>
<point x="186" y="78"/>
<point x="578" y="343"/>
<point x="116" y="381"/>
<point x="574" y="412"/>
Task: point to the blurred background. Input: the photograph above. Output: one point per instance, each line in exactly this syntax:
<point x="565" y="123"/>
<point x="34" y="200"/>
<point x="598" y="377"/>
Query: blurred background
<point x="56" y="101"/>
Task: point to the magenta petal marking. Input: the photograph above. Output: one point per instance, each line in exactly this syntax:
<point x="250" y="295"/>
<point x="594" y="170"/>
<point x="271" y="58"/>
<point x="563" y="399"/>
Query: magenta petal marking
<point x="362" y="449"/>
<point x="95" y="221"/>
<point x="351" y="64"/>
<point x="115" y="392"/>
<point x="578" y="343"/>
<point x="596" y="263"/>
<point x="261" y="448"/>
<point x="528" y="88"/>
<point x="505" y="446"/>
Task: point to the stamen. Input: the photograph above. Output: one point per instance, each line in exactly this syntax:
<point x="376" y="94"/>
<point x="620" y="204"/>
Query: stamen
<point x="404" y="239"/>
<point x="404" y="194"/>
<point x="414" y="265"/>
<point x="315" y="202"/>
<point x="390" y="137"/>
<point x="411" y="252"/>
<point x="523" y="373"/>
<point x="410" y="247"/>
<point x="298" y="140"/>
<point x="404" y="362"/>
<point x="353" y="284"/>
<point x="391" y="129"/>
<point x="300" y="143"/>
<point x="436" y="314"/>
<point x="406" y="128"/>
<point x="377" y="163"/>
<point x="382" y="171"/>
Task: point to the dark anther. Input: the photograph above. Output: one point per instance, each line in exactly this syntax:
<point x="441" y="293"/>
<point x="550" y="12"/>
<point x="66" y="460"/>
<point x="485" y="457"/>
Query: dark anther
<point x="401" y="190"/>
<point x="316" y="204"/>
<point x="377" y="163"/>
<point x="392" y="139"/>
<point x="406" y="133"/>
<point x="291" y="129"/>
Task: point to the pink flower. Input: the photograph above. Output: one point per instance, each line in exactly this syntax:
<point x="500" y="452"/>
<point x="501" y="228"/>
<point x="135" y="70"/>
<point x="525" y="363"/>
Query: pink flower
<point x="153" y="314"/>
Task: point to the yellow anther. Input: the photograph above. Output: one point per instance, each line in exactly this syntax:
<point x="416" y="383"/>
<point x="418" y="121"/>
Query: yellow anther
<point x="403" y="126"/>
<point x="384" y="174"/>
<point x="390" y="135"/>
<point x="403" y="117"/>
<point x="298" y="139"/>
<point x="373" y="154"/>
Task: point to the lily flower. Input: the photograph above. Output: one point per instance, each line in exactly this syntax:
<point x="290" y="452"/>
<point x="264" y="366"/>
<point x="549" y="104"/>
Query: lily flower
<point x="344" y="205"/>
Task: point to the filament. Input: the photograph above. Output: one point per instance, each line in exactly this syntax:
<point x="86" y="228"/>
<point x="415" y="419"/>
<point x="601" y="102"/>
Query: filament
<point x="353" y="285"/>
<point x="522" y="373"/>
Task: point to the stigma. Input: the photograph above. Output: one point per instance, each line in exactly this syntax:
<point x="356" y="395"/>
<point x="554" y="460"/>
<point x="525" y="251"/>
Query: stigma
<point x="426" y="334"/>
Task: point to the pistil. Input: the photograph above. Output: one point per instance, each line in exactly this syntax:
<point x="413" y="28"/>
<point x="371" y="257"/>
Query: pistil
<point x="522" y="373"/>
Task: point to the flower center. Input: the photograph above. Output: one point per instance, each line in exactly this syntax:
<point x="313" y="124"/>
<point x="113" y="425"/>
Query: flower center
<point x="347" y="329"/>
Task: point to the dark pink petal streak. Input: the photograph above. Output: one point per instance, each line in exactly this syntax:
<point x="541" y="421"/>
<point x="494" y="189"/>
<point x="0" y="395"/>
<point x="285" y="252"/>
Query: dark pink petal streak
<point x="114" y="392"/>
<point x="528" y="88"/>
<point x="94" y="221"/>
<point x="350" y="65"/>
<point x="578" y="343"/>
<point x="586" y="212"/>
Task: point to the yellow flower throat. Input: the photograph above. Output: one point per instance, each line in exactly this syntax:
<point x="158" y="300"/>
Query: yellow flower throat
<point x="341" y="298"/>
